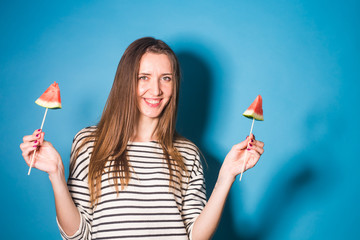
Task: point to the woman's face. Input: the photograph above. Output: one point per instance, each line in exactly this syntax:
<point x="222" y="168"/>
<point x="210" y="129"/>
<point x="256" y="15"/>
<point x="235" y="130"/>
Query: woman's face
<point x="155" y="84"/>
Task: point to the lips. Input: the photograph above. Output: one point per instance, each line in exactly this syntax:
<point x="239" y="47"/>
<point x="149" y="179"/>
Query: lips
<point x="153" y="102"/>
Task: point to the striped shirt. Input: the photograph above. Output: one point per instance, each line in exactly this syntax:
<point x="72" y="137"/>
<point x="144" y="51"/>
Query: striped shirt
<point x="145" y="209"/>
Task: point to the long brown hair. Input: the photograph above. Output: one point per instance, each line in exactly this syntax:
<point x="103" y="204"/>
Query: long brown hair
<point x="118" y="121"/>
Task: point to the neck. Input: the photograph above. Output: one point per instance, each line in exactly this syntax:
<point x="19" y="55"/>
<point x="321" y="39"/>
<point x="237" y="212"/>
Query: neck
<point x="145" y="130"/>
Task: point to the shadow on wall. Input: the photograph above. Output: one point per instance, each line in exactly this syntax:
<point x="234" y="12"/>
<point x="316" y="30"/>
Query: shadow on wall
<point x="304" y="182"/>
<point x="301" y="177"/>
<point x="196" y="88"/>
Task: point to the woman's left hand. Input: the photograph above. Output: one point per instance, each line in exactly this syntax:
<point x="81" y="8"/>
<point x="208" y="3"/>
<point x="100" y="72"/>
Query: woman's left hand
<point x="249" y="151"/>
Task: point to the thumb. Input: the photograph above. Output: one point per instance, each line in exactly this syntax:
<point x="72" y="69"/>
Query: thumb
<point x="242" y="145"/>
<point x="42" y="136"/>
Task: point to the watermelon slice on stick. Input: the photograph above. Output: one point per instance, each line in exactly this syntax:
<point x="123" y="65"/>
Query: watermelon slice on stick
<point x="255" y="112"/>
<point x="49" y="99"/>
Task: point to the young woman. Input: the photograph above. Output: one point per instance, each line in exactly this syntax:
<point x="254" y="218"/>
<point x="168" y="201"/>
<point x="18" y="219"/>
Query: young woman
<point x="132" y="176"/>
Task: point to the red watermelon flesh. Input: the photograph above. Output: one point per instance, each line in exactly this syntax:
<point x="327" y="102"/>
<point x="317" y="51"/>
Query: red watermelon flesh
<point x="51" y="97"/>
<point x="255" y="110"/>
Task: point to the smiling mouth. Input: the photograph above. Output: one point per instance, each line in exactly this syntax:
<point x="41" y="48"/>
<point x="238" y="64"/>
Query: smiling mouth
<point x="152" y="102"/>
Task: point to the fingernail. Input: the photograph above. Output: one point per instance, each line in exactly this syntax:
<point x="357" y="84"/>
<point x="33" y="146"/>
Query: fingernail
<point x="250" y="144"/>
<point x="39" y="130"/>
<point x="252" y="140"/>
<point x="248" y="149"/>
<point x="36" y="142"/>
<point x="37" y="135"/>
<point x="35" y="146"/>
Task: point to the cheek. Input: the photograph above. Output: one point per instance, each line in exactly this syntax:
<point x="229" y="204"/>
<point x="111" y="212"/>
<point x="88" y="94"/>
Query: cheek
<point x="168" y="90"/>
<point x="141" y="89"/>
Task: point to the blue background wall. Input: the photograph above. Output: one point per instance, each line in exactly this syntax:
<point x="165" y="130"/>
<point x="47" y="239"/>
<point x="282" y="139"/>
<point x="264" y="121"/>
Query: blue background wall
<point x="301" y="56"/>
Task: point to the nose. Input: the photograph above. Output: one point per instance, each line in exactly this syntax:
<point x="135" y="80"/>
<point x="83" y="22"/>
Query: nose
<point x="155" y="87"/>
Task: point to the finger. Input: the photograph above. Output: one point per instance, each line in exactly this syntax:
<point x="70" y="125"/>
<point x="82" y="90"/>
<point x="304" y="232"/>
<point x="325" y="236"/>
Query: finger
<point x="260" y="150"/>
<point x="29" y="146"/>
<point x="36" y="139"/>
<point x="34" y="136"/>
<point x="29" y="138"/>
<point x="259" y="143"/>
<point x="240" y="146"/>
<point x="253" y="159"/>
<point x="252" y="136"/>
<point x="41" y="138"/>
<point x="29" y="159"/>
<point x="250" y="139"/>
<point x="27" y="149"/>
<point x="37" y="131"/>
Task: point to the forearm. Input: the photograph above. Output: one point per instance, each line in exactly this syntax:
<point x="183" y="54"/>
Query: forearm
<point x="67" y="214"/>
<point x="207" y="222"/>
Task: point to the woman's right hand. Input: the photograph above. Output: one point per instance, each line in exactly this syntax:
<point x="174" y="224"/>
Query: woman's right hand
<point x="46" y="159"/>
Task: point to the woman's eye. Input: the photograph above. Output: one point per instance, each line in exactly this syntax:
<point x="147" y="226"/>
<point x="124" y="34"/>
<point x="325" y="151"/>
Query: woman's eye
<point x="166" y="78"/>
<point x="143" y="77"/>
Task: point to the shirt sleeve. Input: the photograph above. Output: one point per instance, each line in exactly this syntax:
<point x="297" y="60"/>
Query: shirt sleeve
<point x="195" y="196"/>
<point x="79" y="191"/>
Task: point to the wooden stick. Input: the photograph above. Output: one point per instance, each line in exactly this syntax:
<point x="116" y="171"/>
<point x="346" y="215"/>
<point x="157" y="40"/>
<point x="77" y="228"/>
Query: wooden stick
<point x="33" y="156"/>
<point x="243" y="167"/>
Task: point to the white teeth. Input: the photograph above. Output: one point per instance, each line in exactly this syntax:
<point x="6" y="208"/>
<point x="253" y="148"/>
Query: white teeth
<point x="152" y="101"/>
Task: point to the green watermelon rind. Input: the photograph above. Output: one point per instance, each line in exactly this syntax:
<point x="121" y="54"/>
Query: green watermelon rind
<point x="251" y="114"/>
<point x="46" y="104"/>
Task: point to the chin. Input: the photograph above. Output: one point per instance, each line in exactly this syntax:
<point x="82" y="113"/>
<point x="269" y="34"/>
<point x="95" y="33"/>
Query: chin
<point x="150" y="114"/>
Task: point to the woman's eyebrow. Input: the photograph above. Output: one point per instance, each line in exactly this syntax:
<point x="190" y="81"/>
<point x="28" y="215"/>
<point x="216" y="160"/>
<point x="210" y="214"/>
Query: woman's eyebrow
<point x="144" y="73"/>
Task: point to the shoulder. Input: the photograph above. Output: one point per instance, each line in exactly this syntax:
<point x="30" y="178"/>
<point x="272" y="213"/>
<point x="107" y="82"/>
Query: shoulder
<point x="84" y="133"/>
<point x="81" y="150"/>
<point x="83" y="138"/>
<point x="191" y="155"/>
<point x="185" y="146"/>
